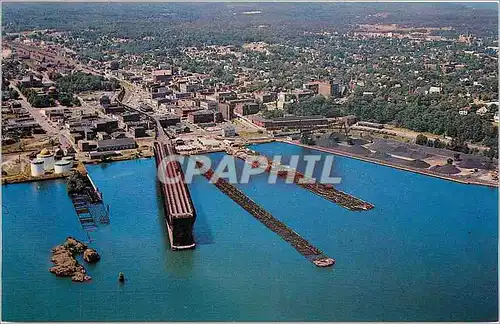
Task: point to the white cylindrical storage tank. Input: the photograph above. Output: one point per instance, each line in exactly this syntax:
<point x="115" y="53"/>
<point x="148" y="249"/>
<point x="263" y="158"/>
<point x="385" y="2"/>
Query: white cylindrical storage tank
<point x="48" y="159"/>
<point x="37" y="168"/>
<point x="62" y="166"/>
<point x="70" y="159"/>
<point x="48" y="162"/>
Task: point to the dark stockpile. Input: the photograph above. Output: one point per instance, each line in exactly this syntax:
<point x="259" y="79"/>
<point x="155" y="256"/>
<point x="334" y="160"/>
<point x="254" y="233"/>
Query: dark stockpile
<point x="445" y="169"/>
<point x="417" y="164"/>
<point x="381" y="146"/>
<point x="406" y="152"/>
<point x="475" y="164"/>
<point x="326" y="141"/>
<point x="411" y="163"/>
<point x="380" y="155"/>
<point x="359" y="141"/>
<point x="355" y="149"/>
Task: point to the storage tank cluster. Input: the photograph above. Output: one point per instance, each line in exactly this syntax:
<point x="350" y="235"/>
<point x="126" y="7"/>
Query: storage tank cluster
<point x="45" y="161"/>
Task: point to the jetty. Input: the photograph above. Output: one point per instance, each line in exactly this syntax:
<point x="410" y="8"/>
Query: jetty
<point x="327" y="191"/>
<point x="305" y="248"/>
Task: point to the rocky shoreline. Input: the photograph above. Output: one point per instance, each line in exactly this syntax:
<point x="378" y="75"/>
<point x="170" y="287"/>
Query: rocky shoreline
<point x="65" y="263"/>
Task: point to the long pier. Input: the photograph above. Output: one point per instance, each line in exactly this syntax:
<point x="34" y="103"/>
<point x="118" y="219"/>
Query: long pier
<point x="179" y="209"/>
<point x="326" y="191"/>
<point x="305" y="248"/>
<point x="180" y="214"/>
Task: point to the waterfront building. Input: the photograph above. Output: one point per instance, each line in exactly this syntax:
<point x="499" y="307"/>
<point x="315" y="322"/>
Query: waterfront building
<point x="116" y="144"/>
<point x="292" y="122"/>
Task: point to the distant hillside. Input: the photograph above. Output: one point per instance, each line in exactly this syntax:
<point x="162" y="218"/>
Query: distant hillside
<point x="209" y="19"/>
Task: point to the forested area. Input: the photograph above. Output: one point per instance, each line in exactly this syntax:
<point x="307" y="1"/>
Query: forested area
<point x="421" y="114"/>
<point x="38" y="100"/>
<point x="41" y="99"/>
<point x="79" y="81"/>
<point x="165" y="26"/>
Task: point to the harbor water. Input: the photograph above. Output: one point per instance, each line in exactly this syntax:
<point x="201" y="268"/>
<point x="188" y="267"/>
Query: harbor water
<point x="426" y="252"/>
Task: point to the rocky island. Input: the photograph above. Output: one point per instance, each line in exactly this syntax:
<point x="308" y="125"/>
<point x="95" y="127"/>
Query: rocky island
<point x="65" y="263"/>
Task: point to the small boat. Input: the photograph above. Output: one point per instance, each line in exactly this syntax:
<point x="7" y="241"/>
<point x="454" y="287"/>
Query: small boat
<point x="121" y="277"/>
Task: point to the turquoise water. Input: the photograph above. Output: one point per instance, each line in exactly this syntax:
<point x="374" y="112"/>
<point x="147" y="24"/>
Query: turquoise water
<point x="427" y="252"/>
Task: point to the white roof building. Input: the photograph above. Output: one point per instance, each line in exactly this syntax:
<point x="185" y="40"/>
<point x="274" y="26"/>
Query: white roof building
<point x="435" y="90"/>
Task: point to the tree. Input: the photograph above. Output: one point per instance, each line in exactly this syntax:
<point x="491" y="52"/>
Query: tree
<point x="114" y="65"/>
<point x="438" y="143"/>
<point x="14" y="94"/>
<point x="306" y="139"/>
<point x="64" y="100"/>
<point x="421" y="139"/>
<point x="75" y="183"/>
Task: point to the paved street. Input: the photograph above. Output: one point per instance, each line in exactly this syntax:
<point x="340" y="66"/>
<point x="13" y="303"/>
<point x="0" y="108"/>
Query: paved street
<point x="37" y="115"/>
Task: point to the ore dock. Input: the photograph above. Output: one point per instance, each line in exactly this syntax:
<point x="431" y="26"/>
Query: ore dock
<point x="180" y="214"/>
<point x="178" y="205"/>
<point x="305" y="248"/>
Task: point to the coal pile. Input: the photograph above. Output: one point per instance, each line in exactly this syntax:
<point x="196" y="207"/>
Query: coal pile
<point x="368" y="138"/>
<point x="409" y="153"/>
<point x="417" y="164"/>
<point x="381" y="146"/>
<point x="445" y="169"/>
<point x="355" y="149"/>
<point x="359" y="141"/>
<point x="475" y="164"/>
<point x="338" y="137"/>
<point x="358" y="149"/>
<point x="327" y="142"/>
<point x="380" y="155"/>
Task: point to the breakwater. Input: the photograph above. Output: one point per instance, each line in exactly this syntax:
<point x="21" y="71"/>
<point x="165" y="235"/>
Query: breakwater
<point x="305" y="248"/>
<point x="323" y="190"/>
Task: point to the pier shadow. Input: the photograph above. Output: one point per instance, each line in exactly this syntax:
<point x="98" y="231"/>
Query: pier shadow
<point x="202" y="231"/>
<point x="161" y="216"/>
